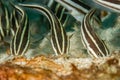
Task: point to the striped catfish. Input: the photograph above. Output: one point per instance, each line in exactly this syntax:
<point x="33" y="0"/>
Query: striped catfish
<point x="2" y="34"/>
<point x="110" y="4"/>
<point x="59" y="39"/>
<point x="74" y="5"/>
<point x="5" y="21"/>
<point x="20" y="41"/>
<point x="95" y="46"/>
<point x="78" y="9"/>
<point x="60" y="11"/>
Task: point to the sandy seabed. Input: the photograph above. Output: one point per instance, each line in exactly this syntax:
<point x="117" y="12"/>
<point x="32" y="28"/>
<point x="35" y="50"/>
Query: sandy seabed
<point x="46" y="68"/>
